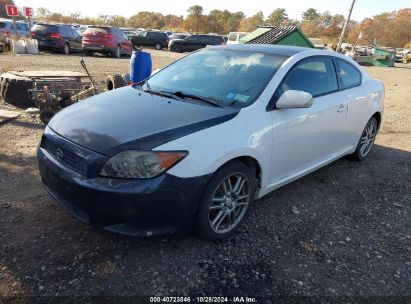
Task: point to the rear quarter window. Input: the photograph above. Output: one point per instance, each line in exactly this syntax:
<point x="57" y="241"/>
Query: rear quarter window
<point x="349" y="75"/>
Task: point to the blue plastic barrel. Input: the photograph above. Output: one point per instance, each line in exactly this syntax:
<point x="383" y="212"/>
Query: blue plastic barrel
<point x="140" y="66"/>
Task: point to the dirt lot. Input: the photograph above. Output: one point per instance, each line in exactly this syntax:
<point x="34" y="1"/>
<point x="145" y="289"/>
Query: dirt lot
<point x="344" y="230"/>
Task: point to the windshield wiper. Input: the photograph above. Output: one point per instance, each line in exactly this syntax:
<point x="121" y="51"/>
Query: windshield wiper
<point x="159" y="93"/>
<point x="192" y="96"/>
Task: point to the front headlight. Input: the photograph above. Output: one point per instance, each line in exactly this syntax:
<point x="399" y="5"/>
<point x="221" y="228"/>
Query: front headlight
<point x="141" y="164"/>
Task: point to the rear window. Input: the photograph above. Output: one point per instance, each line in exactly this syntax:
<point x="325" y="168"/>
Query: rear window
<point x="45" y="28"/>
<point x="97" y="30"/>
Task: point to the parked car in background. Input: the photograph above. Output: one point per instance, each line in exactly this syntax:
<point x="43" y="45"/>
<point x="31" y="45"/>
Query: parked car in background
<point x="399" y="55"/>
<point x="195" y="42"/>
<point x="406" y="58"/>
<point x="156" y="39"/>
<point x="177" y="36"/>
<point x="56" y="37"/>
<point x="106" y="40"/>
<point x="130" y="34"/>
<point x="234" y="37"/>
<point x="318" y="43"/>
<point x="80" y="29"/>
<point x="8" y="30"/>
<point x="138" y="160"/>
<point x="2" y="43"/>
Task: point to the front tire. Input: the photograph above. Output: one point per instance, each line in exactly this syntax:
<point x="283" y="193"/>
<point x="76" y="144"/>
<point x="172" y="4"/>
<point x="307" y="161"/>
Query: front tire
<point x="366" y="140"/>
<point x="225" y="201"/>
<point x="177" y="48"/>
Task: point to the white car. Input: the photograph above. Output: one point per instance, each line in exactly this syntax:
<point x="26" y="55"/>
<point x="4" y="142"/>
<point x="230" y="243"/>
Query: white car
<point x="195" y="143"/>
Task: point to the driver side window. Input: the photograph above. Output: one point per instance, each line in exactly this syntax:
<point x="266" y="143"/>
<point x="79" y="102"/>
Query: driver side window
<point x="315" y="76"/>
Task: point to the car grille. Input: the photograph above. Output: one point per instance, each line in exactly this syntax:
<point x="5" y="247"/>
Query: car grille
<point x="66" y="157"/>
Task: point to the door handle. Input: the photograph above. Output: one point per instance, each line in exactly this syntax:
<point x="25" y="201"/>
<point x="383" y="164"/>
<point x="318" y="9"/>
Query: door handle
<point x="341" y="108"/>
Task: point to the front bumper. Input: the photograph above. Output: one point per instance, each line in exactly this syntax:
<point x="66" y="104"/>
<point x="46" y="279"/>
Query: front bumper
<point x="160" y="206"/>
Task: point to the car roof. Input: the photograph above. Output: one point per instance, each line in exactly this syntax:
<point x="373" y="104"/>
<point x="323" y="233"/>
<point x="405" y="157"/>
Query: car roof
<point x="282" y="50"/>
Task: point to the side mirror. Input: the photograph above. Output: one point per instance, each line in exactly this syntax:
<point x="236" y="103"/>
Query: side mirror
<point x="293" y="99"/>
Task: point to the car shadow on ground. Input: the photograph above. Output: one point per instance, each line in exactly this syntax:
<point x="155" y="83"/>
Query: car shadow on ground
<point x="308" y="237"/>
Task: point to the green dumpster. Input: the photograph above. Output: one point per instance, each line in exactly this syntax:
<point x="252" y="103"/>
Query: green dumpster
<point x="383" y="57"/>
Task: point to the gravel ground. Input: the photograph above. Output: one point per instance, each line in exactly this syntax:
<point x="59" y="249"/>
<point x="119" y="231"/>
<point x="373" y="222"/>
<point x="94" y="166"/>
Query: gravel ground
<point x="343" y="231"/>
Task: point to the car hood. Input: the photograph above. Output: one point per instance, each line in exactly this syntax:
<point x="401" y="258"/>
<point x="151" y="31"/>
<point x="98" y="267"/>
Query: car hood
<point x="128" y="118"/>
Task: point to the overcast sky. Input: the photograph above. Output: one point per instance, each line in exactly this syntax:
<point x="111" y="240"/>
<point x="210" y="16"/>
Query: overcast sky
<point x="91" y="8"/>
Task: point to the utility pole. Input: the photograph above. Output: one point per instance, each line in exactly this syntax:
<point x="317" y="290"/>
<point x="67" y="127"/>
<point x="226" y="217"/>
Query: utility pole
<point x="345" y="26"/>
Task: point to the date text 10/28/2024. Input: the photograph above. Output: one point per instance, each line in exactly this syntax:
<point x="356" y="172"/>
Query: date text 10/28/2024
<point x="203" y="300"/>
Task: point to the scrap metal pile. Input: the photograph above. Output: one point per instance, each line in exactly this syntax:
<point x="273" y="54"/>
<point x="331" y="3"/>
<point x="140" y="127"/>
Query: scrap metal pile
<point x="50" y="91"/>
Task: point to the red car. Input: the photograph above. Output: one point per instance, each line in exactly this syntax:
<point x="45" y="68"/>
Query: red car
<point x="106" y="40"/>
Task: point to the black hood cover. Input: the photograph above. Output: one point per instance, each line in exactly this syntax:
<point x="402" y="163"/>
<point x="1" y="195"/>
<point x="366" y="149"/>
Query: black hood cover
<point x="128" y="118"/>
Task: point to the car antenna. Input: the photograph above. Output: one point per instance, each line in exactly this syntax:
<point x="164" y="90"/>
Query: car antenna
<point x="83" y="64"/>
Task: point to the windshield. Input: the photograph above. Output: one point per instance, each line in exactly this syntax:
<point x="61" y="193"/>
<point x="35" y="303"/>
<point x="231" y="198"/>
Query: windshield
<point x="229" y="78"/>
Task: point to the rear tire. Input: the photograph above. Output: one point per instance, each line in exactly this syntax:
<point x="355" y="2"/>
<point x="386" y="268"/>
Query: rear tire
<point x="158" y="46"/>
<point x="225" y="201"/>
<point x="117" y="52"/>
<point x="66" y="49"/>
<point x="366" y="140"/>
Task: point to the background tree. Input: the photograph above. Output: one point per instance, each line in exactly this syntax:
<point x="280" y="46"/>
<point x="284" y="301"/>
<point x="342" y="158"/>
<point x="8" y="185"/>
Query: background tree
<point x="42" y="13"/>
<point x="117" y="20"/>
<point x="195" y="21"/>
<point x="76" y="16"/>
<point x="56" y="17"/>
<point x="251" y="23"/>
<point x="278" y="17"/>
<point x="173" y="22"/>
<point x="102" y="18"/>
<point x="310" y="14"/>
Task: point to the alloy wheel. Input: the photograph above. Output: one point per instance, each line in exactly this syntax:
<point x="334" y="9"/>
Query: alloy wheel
<point x="368" y="137"/>
<point x="229" y="203"/>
